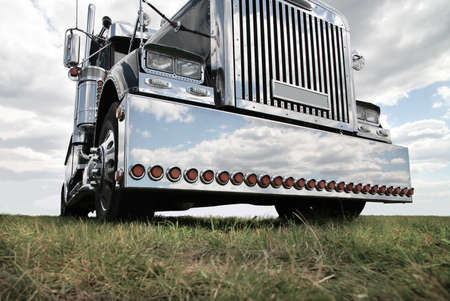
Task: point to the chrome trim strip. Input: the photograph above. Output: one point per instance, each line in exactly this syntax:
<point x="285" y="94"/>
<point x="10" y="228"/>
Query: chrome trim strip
<point x="252" y="106"/>
<point x="300" y="95"/>
<point x="178" y="89"/>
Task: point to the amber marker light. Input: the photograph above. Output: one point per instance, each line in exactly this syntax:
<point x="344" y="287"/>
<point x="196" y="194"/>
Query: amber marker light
<point x="321" y="185"/>
<point x="251" y="180"/>
<point x="137" y="172"/>
<point x="366" y="189"/>
<point x="73" y="71"/>
<point x="277" y="182"/>
<point x="340" y="187"/>
<point x="223" y="177"/>
<point x="174" y="174"/>
<point x="390" y="191"/>
<point x="100" y="83"/>
<point x="374" y="189"/>
<point x="264" y="181"/>
<point x="191" y="175"/>
<point x="358" y="188"/>
<point x="349" y="187"/>
<point x="410" y="192"/>
<point x="156" y="173"/>
<point x="404" y="191"/>
<point x="382" y="190"/>
<point x="311" y="184"/>
<point x="288" y="183"/>
<point x="331" y="185"/>
<point x="300" y="184"/>
<point x="237" y="178"/>
<point x="207" y="176"/>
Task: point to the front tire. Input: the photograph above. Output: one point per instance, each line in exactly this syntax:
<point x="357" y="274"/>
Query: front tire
<point x="108" y="201"/>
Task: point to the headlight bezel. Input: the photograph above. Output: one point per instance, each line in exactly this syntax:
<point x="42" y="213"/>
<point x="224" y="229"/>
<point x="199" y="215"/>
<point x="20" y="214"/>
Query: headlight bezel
<point x="363" y="109"/>
<point x="177" y="55"/>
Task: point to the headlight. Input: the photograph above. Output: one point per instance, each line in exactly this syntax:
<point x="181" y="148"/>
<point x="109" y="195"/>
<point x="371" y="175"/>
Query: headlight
<point x="159" y="62"/>
<point x="368" y="112"/>
<point x="372" y="116"/>
<point x="189" y="69"/>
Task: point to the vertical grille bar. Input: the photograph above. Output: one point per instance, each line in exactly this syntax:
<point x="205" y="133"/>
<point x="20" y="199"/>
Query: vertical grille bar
<point x="277" y="40"/>
<point x="272" y="46"/>
<point x="245" y="59"/>
<point x="342" y="77"/>
<point x="259" y="57"/>
<point x="265" y="36"/>
<point x="237" y="31"/>
<point x="252" y="63"/>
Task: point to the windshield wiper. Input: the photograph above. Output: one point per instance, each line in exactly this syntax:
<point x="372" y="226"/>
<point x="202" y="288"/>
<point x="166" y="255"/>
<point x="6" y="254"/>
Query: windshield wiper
<point x="176" y="25"/>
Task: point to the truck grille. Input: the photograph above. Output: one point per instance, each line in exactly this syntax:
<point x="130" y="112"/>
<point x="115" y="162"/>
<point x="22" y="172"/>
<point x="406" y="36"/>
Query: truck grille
<point x="275" y="40"/>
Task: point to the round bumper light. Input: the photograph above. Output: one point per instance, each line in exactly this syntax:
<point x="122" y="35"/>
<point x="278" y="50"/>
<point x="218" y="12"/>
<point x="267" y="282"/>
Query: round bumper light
<point x="137" y="172"/>
<point x="288" y="183"/>
<point x="349" y="187"/>
<point x="174" y="174"/>
<point x="396" y="191"/>
<point x="374" y="189"/>
<point x="223" y="177"/>
<point x="311" y="184"/>
<point x="264" y="181"/>
<point x="366" y="189"/>
<point x="156" y="173"/>
<point x="191" y="175"/>
<point x="277" y="182"/>
<point x="358" y="188"/>
<point x="410" y="192"/>
<point x="300" y="184"/>
<point x="321" y="185"/>
<point x="404" y="191"/>
<point x="251" y="180"/>
<point x="331" y="185"/>
<point x="237" y="178"/>
<point x="382" y="190"/>
<point x="207" y="176"/>
<point x="340" y="187"/>
<point x="390" y="191"/>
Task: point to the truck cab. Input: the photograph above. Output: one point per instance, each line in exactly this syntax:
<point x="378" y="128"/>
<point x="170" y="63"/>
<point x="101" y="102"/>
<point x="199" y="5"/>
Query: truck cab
<point x="229" y="102"/>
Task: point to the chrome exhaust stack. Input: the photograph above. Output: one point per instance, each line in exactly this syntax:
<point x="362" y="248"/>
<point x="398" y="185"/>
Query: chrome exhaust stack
<point x="89" y="30"/>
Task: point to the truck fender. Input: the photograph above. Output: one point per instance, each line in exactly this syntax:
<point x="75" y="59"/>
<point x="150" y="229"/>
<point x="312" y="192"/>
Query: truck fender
<point x="109" y="95"/>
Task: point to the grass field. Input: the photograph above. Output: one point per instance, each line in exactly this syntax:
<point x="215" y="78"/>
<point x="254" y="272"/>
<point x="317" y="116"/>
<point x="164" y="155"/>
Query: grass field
<point x="372" y="258"/>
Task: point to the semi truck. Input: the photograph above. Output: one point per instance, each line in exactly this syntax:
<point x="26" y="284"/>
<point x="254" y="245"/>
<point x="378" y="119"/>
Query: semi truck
<point x="235" y="101"/>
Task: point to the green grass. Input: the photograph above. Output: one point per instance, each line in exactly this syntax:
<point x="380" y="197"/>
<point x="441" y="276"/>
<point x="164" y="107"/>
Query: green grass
<point x="372" y="258"/>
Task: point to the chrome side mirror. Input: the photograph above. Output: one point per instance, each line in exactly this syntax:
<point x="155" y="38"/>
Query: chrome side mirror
<point x="359" y="62"/>
<point x="71" y="49"/>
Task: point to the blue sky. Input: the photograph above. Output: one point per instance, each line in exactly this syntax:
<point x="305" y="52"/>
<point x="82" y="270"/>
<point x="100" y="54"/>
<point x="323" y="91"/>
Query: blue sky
<point x="405" y="42"/>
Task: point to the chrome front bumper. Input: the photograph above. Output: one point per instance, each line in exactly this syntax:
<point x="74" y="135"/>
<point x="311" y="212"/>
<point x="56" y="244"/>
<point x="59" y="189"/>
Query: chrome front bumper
<point x="158" y="132"/>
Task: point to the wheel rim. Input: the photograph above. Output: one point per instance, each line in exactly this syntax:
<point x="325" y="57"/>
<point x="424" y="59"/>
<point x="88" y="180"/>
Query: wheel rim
<point x="108" y="160"/>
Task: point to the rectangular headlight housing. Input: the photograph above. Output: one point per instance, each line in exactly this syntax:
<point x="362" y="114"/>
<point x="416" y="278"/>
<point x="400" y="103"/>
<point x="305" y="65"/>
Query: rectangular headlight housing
<point x="159" y="62"/>
<point x="189" y="69"/>
<point x="368" y="112"/>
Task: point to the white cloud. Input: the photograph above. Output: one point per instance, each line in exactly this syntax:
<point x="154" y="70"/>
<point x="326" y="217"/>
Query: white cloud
<point x="428" y="142"/>
<point x="405" y="43"/>
<point x="444" y="93"/>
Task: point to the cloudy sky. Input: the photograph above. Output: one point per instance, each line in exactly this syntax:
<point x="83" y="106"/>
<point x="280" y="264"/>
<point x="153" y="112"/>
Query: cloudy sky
<point x="405" y="42"/>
